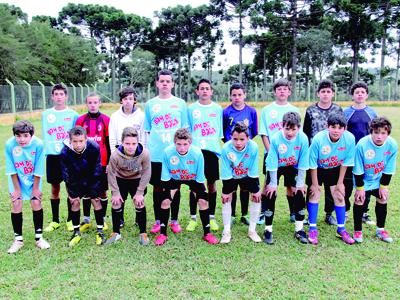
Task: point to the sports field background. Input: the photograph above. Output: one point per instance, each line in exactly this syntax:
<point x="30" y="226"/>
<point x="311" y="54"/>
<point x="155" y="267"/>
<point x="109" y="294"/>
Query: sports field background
<point x="187" y="267"/>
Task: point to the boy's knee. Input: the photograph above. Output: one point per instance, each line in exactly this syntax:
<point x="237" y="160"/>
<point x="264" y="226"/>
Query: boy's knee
<point x="76" y="205"/>
<point x="96" y="203"/>
<point x="17" y="206"/>
<point x="36" y="205"/>
<point x="203" y="204"/>
<point x="165" y="204"/>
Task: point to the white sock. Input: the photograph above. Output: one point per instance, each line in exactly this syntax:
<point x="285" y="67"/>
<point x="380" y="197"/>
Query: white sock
<point x="298" y="225"/>
<point x="193" y="217"/>
<point x="226" y="216"/>
<point x="254" y="215"/>
<point x="268" y="227"/>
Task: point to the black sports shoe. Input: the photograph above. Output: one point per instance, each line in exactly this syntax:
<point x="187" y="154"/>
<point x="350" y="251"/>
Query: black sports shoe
<point x="268" y="237"/>
<point x="301" y="236"/>
<point x="245" y="220"/>
<point x="330" y="220"/>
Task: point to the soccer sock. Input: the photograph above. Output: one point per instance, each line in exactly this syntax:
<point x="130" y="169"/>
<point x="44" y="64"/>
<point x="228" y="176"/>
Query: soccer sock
<point x="55" y="209"/>
<point x="233" y="204"/>
<point x="212" y="203"/>
<point x="69" y="205"/>
<point x="157" y="198"/>
<point x="86" y="209"/>
<point x="341" y="217"/>
<point x="358" y="211"/>
<point x="98" y="214"/>
<point x="141" y="219"/>
<point x="312" y="215"/>
<point x="205" y="220"/>
<point x="192" y="204"/>
<point x="75" y="216"/>
<point x="299" y="210"/>
<point x="38" y="223"/>
<point x="226" y="216"/>
<point x="269" y="213"/>
<point x="104" y="204"/>
<point x="244" y="202"/>
<point x="290" y="200"/>
<point x="116" y="219"/>
<point x="175" y="206"/>
<point x="164" y="216"/>
<point x="381" y="212"/>
<point x="366" y="203"/>
<point x="16" y="220"/>
<point x="254" y="215"/>
<point x="263" y="205"/>
<point x="122" y="211"/>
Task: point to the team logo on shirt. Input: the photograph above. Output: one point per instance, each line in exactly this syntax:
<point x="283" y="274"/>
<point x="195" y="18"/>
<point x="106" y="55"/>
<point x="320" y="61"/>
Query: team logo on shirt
<point x="156" y="108"/>
<point x="196" y="114"/>
<point x="174" y="160"/>
<point x="246" y="122"/>
<point x="370" y="154"/>
<point x="17" y="151"/>
<point x="99" y="128"/>
<point x="273" y="114"/>
<point x="58" y="147"/>
<point x="51" y="118"/>
<point x="326" y="150"/>
<point x="67" y="119"/>
<point x="174" y="106"/>
<point x="231" y="156"/>
<point x="282" y="148"/>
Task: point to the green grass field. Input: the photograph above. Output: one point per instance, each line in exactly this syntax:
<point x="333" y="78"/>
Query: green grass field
<point x="187" y="267"/>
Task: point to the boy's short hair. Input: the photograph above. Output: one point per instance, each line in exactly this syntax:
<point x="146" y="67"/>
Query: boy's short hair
<point x="291" y="119"/>
<point x="182" y="134"/>
<point x="93" y="94"/>
<point x="380" y="122"/>
<point x="76" y="131"/>
<point x="203" y="80"/>
<point x="237" y="86"/>
<point x="240" y="127"/>
<point x="23" y="126"/>
<point x="129" y="132"/>
<point x="281" y="82"/>
<point x="126" y="91"/>
<point x="59" y="86"/>
<point x="165" y="72"/>
<point x="337" y="119"/>
<point x="326" y="84"/>
<point x="358" y="84"/>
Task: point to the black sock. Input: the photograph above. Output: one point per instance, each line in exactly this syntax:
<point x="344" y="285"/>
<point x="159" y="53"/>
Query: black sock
<point x="157" y="198"/>
<point x="263" y="204"/>
<point x="75" y="217"/>
<point x="212" y="202"/>
<point x="86" y="203"/>
<point x="366" y="203"/>
<point x="98" y="214"/>
<point x="55" y="209"/>
<point x="175" y="205"/>
<point x="38" y="223"/>
<point x="122" y="211"/>
<point x="290" y="200"/>
<point x="244" y="202"/>
<point x="269" y="213"/>
<point x="69" y="205"/>
<point x="205" y="220"/>
<point x="381" y="212"/>
<point x="233" y="203"/>
<point x="192" y="204"/>
<point x="164" y="217"/>
<point x="16" y="220"/>
<point x="358" y="211"/>
<point x="116" y="219"/>
<point x="141" y="219"/>
<point x="104" y="204"/>
<point x="299" y="205"/>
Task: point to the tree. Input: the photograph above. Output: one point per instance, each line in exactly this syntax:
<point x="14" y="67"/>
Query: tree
<point x="342" y="76"/>
<point x="140" y="69"/>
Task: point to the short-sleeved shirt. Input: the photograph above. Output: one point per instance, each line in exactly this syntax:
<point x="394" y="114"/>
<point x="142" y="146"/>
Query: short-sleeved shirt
<point x="55" y="127"/>
<point x="162" y="118"/>
<point x="27" y="162"/>
<point x="372" y="160"/>
<point x="326" y="154"/>
<point x="239" y="164"/>
<point x="231" y="116"/>
<point x="284" y="152"/>
<point x="205" y="122"/>
<point x="183" y="167"/>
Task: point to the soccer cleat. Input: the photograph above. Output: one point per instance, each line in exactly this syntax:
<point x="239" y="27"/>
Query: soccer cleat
<point x="226" y="237"/>
<point x="306" y="222"/>
<point x="367" y="220"/>
<point x="75" y="239"/>
<point x="42" y="244"/>
<point x="214" y="225"/>
<point x="383" y="235"/>
<point x="100" y="238"/>
<point x="16" y="245"/>
<point x="301" y="236"/>
<point x="156" y="228"/>
<point x="70" y="226"/>
<point x="358" y="236"/>
<point x="84" y="227"/>
<point x="113" y="238"/>
<point x="210" y="238"/>
<point x="192" y="225"/>
<point x="52" y="226"/>
<point x="292" y="218"/>
<point x="268" y="237"/>
<point x="313" y="236"/>
<point x="143" y="239"/>
<point x="105" y="226"/>
<point x="345" y="236"/>
<point x="245" y="220"/>
<point x="160" y="239"/>
<point x="261" y="219"/>
<point x="330" y="220"/>
<point x="254" y="236"/>
<point x="175" y="227"/>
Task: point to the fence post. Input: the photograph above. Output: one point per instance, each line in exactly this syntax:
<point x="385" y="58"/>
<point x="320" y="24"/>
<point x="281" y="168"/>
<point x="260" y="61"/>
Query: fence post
<point x="335" y="95"/>
<point x="94" y="87"/>
<point x="52" y="83"/>
<point x="73" y="92"/>
<point x="43" y="94"/>
<point x="148" y="91"/>
<point x="12" y="89"/>
<point x="229" y="93"/>
<point x="389" y="91"/>
<point x="256" y="92"/>
<point x="81" y="92"/>
<point x="30" y="105"/>
<point x="308" y="92"/>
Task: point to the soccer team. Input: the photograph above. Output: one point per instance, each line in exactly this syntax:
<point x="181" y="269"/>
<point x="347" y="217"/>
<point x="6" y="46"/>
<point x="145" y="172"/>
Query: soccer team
<point x="170" y="144"/>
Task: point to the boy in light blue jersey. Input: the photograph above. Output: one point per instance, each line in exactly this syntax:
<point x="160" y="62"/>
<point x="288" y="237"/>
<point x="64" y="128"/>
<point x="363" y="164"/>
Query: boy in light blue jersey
<point x="205" y="123"/>
<point x="183" y="163"/>
<point x="287" y="157"/>
<point x="25" y="167"/>
<point x="240" y="167"/>
<point x="331" y="152"/>
<point x="375" y="163"/>
<point x="164" y="114"/>
<point x="56" y="123"/>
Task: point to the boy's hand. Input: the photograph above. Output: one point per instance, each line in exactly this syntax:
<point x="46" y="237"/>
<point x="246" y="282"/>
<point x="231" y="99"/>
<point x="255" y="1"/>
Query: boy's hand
<point x="270" y="191"/>
<point x="16" y="195"/>
<point x="302" y="189"/>
<point x="256" y="197"/>
<point x="315" y="191"/>
<point x="116" y="201"/>
<point x="339" y="192"/>
<point x="73" y="200"/>
<point x="139" y="201"/>
<point x="225" y="198"/>
<point x="383" y="193"/>
<point x="36" y="193"/>
<point x="359" y="197"/>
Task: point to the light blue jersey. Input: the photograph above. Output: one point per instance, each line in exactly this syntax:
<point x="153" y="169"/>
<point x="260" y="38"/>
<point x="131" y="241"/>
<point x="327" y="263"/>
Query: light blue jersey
<point x="26" y="162"/>
<point x="239" y="164"/>
<point x="162" y="117"/>
<point x="205" y="122"/>
<point x="183" y="167"/>
<point x="372" y="160"/>
<point x="284" y="152"/>
<point x="55" y="127"/>
<point x="326" y="154"/>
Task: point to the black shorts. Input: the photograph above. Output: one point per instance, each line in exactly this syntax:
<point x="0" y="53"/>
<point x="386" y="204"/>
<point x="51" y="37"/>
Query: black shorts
<point x="211" y="166"/>
<point x="103" y="179"/>
<point x="53" y="169"/>
<point x="374" y="193"/>
<point x="289" y="176"/>
<point x="264" y="166"/>
<point x="326" y="177"/>
<point x="246" y="183"/>
<point x="155" y="179"/>
<point x="198" y="188"/>
<point x="128" y="186"/>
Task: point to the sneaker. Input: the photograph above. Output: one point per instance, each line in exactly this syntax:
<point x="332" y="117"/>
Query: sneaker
<point x="143" y="239"/>
<point x="245" y="220"/>
<point x="175" y="227"/>
<point x="261" y="220"/>
<point x="214" y="225"/>
<point x="16" y="245"/>
<point x="254" y="236"/>
<point x="358" y="237"/>
<point x="100" y="238"/>
<point x="160" y="239"/>
<point x="42" y="244"/>
<point x="383" y="235"/>
<point x="313" y="236"/>
<point x="301" y="236"/>
<point x="156" y="228"/>
<point x="330" y="220"/>
<point x="75" y="239"/>
<point x="52" y="226"/>
<point x="105" y="226"/>
<point x="70" y="226"/>
<point x="226" y="237"/>
<point x="345" y="236"/>
<point x="268" y="237"/>
<point x="192" y="225"/>
<point x="113" y="238"/>
<point x="210" y="238"/>
<point x="84" y="227"/>
<point x="122" y="223"/>
<point x="292" y="218"/>
<point x="367" y="220"/>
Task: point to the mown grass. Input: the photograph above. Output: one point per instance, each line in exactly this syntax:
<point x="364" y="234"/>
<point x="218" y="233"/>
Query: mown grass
<point x="186" y="267"/>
